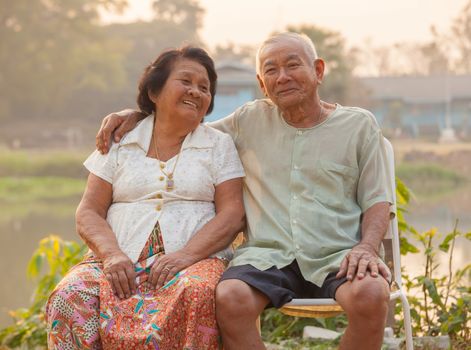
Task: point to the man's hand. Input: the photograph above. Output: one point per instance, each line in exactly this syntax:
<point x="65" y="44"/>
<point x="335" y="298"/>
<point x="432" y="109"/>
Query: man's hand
<point x="363" y="258"/>
<point x="118" y="124"/>
<point x="167" y="266"/>
<point x="119" y="271"/>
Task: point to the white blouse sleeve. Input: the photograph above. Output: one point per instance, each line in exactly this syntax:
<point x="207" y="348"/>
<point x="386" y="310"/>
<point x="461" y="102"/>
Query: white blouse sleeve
<point x="103" y="165"/>
<point x="226" y="161"/>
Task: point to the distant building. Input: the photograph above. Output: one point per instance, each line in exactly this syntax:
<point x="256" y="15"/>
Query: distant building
<point x="237" y="84"/>
<point x="421" y="105"/>
<point x="412" y="105"/>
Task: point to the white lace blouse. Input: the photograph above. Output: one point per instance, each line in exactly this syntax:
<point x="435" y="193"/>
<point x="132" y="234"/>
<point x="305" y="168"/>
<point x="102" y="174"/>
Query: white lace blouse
<point x="140" y="198"/>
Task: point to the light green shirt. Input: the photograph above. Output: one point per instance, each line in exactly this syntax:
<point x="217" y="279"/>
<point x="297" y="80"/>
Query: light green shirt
<point x="305" y="189"/>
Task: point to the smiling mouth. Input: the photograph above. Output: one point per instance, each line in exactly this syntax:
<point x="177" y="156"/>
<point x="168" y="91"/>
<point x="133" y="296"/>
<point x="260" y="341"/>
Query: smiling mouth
<point x="190" y="103"/>
<point x="285" y="92"/>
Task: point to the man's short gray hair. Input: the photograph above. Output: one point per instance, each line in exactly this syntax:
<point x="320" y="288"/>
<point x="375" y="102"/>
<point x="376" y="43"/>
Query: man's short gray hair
<point x="304" y="40"/>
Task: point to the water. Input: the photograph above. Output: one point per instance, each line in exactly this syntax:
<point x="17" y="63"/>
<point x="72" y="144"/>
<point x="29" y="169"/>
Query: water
<point x="19" y="237"/>
<point x="441" y="213"/>
<point x="21" y="230"/>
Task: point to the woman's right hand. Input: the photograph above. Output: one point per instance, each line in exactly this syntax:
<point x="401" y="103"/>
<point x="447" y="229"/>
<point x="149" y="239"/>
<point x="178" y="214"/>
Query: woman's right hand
<point x="118" y="124"/>
<point x="119" y="271"/>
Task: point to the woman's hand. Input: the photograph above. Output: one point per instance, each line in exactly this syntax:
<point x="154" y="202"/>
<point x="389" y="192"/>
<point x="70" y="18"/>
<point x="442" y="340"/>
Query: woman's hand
<point x="119" y="271"/>
<point x="167" y="266"/>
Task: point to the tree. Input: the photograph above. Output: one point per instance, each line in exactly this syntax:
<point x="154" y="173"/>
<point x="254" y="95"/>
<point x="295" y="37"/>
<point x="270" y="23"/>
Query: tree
<point x="330" y="45"/>
<point x="51" y="49"/>
<point x="176" y="23"/>
<point x="461" y="38"/>
<point x="187" y="13"/>
<point x="242" y="53"/>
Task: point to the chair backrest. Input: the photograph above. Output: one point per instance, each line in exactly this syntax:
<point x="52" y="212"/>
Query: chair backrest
<point x="393" y="231"/>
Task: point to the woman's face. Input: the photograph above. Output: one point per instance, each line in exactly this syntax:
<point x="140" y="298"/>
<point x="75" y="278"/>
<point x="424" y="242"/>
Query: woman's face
<point x="185" y="96"/>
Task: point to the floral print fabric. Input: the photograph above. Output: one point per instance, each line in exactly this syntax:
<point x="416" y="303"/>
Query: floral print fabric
<point x="83" y="313"/>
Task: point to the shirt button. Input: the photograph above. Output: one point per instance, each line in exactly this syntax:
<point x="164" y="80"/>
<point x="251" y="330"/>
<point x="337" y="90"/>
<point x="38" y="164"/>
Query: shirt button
<point x="299" y="132"/>
<point x="161" y="178"/>
<point x="158" y="208"/>
<point x="162" y="165"/>
<point x="295" y="197"/>
<point x="295" y="221"/>
<point x="297" y="247"/>
<point x="159" y="195"/>
<point x="296" y="167"/>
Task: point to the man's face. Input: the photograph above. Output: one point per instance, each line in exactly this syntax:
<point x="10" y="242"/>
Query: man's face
<point x="287" y="74"/>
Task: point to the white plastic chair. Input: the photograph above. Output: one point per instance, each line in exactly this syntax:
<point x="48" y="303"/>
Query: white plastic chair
<point x="329" y="307"/>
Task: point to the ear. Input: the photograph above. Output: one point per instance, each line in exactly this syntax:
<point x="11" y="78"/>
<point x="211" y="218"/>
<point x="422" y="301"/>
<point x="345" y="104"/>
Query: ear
<point x="319" y="66"/>
<point x="152" y="96"/>
<point x="262" y="85"/>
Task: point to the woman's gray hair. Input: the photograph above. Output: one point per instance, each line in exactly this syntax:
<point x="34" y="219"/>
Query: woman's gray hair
<point x="304" y="40"/>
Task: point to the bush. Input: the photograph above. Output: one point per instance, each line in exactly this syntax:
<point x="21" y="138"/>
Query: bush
<point x="57" y="257"/>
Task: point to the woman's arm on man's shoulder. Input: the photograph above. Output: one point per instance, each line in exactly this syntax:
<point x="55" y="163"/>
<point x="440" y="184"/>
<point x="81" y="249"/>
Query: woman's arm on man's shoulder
<point x="116" y="125"/>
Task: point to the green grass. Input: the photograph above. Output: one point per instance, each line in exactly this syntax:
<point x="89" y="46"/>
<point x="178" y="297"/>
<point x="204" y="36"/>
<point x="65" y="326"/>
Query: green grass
<point x="429" y="179"/>
<point x="32" y="189"/>
<point x="33" y="163"/>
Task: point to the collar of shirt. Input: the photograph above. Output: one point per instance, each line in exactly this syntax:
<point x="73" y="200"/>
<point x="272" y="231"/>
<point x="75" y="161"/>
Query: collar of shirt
<point x="142" y="135"/>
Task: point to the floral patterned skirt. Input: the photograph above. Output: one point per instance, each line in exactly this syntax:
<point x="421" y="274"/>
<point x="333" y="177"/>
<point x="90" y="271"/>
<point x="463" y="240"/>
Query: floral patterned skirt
<point x="83" y="313"/>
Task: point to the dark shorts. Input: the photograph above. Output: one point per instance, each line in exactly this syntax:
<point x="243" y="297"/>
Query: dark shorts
<point x="283" y="285"/>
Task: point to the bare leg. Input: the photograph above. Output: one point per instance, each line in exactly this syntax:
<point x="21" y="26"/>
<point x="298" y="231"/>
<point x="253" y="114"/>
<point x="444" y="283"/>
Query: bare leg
<point x="366" y="304"/>
<point x="237" y="308"/>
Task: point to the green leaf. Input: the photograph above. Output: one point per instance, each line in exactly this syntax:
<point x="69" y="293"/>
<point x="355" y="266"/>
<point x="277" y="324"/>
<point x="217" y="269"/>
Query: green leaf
<point x="407" y="247"/>
<point x="432" y="291"/>
<point x="445" y="245"/>
<point x="34" y="265"/>
<point x="402" y="192"/>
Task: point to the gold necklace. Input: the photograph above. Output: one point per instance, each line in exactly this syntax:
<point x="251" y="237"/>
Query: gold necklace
<point x="170" y="183"/>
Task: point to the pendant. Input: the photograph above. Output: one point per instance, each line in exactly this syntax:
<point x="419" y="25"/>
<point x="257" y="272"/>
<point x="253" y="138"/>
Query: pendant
<point x="170" y="184"/>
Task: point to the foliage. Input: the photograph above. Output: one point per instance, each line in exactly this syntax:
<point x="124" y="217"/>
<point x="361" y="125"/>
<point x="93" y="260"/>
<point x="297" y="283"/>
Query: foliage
<point x="447" y="51"/>
<point x="50" y="50"/>
<point x="185" y="13"/>
<point x="230" y="51"/>
<point x="461" y="38"/>
<point x="49" y="263"/>
<point x="440" y="305"/>
<point x="428" y="178"/>
<point x="276" y="326"/>
<point x="63" y="70"/>
<point x="59" y="163"/>
<point x="297" y="343"/>
<point x="20" y="190"/>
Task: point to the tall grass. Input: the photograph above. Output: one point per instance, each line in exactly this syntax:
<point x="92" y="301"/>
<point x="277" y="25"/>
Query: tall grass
<point x="31" y="189"/>
<point x="429" y="179"/>
<point x="57" y="163"/>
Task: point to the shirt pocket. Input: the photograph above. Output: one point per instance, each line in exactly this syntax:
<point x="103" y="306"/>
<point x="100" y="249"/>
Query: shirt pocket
<point x="334" y="184"/>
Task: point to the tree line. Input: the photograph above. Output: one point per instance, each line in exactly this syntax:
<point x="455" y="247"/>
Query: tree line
<point x="59" y="63"/>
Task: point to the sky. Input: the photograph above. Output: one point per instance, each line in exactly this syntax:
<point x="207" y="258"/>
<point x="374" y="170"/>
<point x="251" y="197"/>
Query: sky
<point x="381" y="22"/>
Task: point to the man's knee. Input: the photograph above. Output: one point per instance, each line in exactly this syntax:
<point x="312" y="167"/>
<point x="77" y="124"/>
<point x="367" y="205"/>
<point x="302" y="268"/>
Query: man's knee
<point x="367" y="297"/>
<point x="236" y="298"/>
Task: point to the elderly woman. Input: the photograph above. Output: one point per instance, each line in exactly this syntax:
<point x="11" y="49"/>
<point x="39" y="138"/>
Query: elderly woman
<point x="158" y="214"/>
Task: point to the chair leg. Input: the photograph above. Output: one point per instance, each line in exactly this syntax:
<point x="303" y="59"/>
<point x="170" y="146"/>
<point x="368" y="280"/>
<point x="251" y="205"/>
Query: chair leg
<point x="407" y="322"/>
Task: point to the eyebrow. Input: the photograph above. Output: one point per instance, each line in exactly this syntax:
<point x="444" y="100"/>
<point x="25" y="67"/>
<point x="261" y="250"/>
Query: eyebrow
<point x="269" y="62"/>
<point x="189" y="73"/>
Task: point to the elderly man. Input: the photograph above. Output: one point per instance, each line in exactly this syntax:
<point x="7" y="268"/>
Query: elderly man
<point x="316" y="196"/>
